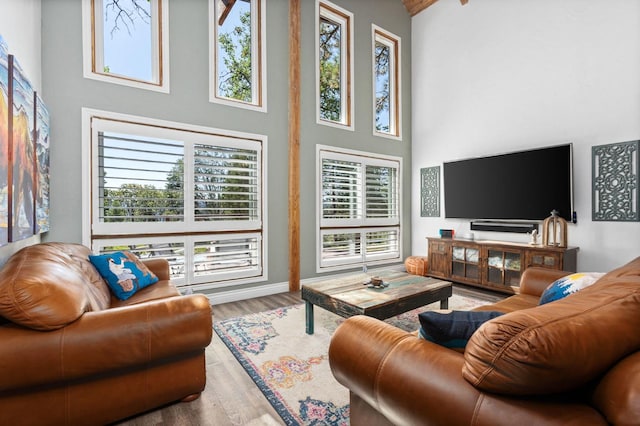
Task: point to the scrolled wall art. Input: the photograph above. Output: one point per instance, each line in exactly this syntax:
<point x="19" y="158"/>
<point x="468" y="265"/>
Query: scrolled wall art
<point x="615" y="181"/>
<point x="430" y="191"/>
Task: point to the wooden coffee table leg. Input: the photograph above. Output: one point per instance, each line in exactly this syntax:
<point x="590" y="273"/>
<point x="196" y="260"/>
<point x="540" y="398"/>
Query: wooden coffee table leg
<point x="308" y="310"/>
<point x="444" y="303"/>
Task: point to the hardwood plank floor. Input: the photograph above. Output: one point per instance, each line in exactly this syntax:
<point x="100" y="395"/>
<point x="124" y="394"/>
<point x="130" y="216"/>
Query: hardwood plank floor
<point x="230" y="397"/>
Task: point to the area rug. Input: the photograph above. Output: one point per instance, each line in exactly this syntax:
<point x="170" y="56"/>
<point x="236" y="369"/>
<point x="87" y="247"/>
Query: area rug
<point x="291" y="368"/>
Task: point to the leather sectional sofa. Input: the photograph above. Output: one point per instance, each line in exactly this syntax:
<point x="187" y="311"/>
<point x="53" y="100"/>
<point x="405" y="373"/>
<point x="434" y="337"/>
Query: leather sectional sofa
<point x="72" y="354"/>
<point x="574" y="361"/>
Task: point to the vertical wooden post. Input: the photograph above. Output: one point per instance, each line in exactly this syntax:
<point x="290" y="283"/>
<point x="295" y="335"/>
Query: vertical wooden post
<point x="294" y="145"/>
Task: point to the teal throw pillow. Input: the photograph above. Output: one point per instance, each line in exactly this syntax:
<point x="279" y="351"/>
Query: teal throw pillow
<point x="124" y="273"/>
<point x="565" y="286"/>
<point x="452" y="329"/>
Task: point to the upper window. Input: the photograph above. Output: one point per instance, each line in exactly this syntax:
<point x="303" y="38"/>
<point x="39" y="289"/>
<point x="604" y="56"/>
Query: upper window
<point x="359" y="208"/>
<point x="192" y="195"/>
<point x="125" y="42"/>
<point x="386" y="83"/>
<point x="237" y="65"/>
<point x="334" y="66"/>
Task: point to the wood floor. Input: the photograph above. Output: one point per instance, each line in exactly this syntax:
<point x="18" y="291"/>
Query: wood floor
<point x="231" y="397"/>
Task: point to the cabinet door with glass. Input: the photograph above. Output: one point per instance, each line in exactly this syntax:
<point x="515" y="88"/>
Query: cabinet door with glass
<point x="545" y="259"/>
<point x="465" y="262"/>
<point x="504" y="267"/>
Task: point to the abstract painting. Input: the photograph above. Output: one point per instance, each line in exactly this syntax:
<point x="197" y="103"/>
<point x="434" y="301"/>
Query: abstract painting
<point x="4" y="143"/>
<point x="42" y="166"/>
<point x="21" y="201"/>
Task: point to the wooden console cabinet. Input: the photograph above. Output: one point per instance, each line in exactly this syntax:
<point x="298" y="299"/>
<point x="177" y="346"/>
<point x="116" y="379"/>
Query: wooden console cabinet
<point x="494" y="265"/>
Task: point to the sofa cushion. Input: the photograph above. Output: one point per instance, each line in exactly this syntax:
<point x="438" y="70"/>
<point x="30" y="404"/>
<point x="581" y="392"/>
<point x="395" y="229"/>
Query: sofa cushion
<point x="96" y="288"/>
<point x="452" y="329"/>
<point x="42" y="288"/>
<point x="124" y="273"/>
<point x="570" y="284"/>
<point x="534" y="351"/>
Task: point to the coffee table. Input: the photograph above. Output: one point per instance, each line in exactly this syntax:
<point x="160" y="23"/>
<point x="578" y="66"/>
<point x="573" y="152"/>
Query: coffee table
<point x="348" y="296"/>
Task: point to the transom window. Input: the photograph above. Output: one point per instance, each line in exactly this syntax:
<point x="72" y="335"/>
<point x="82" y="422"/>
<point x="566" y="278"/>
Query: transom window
<point x="359" y="208"/>
<point x="334" y="67"/>
<point x="237" y="29"/>
<point x="193" y="196"/>
<point x="125" y="42"/>
<point x="386" y="82"/>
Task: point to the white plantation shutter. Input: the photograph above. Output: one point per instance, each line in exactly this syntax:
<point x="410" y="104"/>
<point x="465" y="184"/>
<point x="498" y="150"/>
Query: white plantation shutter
<point x="359" y="208"/>
<point x="226" y="184"/>
<point x="133" y="179"/>
<point x="341" y="189"/>
<point x="193" y="198"/>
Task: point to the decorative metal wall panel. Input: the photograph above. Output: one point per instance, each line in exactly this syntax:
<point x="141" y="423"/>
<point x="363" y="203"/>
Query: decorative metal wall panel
<point x="615" y="181"/>
<point x="430" y="191"/>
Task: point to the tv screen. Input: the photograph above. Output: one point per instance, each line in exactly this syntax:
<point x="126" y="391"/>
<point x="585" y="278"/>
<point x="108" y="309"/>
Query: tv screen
<point x="525" y="185"/>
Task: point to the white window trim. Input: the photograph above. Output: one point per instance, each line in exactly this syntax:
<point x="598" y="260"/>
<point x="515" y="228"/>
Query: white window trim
<point x="381" y="35"/>
<point x="346" y="19"/>
<point x="371" y="225"/>
<point x="259" y="75"/>
<point x="160" y="65"/>
<point x="89" y="114"/>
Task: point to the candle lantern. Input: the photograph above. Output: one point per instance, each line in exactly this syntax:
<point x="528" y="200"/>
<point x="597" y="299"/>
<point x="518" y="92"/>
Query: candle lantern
<point x="554" y="231"/>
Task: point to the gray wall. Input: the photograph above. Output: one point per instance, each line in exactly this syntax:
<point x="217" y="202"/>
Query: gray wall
<point x="67" y="92"/>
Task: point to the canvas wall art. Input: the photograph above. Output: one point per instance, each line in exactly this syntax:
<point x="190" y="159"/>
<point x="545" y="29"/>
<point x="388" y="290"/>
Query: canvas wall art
<point x="22" y="208"/>
<point x="24" y="153"/>
<point x="42" y="166"/>
<point x="4" y="143"/>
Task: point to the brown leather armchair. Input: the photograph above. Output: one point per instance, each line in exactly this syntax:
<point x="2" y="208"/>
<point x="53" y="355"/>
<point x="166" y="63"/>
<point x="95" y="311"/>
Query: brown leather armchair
<point x="71" y="354"/>
<point x="572" y="361"/>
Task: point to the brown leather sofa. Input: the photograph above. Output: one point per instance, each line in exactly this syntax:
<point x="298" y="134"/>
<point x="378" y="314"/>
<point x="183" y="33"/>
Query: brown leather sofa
<point x="575" y="361"/>
<point x="70" y="354"/>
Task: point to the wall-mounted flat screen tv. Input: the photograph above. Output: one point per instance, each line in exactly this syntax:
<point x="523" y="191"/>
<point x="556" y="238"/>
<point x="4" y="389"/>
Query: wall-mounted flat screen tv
<point x="524" y="185"/>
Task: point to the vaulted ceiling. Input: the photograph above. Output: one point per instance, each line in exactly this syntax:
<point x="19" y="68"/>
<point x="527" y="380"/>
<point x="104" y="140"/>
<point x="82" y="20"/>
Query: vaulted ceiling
<point x="415" y="6"/>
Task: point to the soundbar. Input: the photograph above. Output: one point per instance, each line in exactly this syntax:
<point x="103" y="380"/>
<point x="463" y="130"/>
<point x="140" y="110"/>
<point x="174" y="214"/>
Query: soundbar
<point x="516" y="227"/>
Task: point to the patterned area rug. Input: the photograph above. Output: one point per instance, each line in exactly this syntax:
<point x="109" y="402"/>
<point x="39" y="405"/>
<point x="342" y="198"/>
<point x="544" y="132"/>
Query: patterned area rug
<point x="291" y="368"/>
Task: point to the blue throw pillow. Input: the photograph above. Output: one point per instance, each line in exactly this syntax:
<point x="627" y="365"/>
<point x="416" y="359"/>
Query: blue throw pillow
<point x="123" y="272"/>
<point x="452" y="329"/>
<point x="565" y="286"/>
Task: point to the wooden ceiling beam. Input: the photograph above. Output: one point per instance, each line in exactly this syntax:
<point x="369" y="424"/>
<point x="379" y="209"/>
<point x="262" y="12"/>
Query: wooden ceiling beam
<point x="416" y="6"/>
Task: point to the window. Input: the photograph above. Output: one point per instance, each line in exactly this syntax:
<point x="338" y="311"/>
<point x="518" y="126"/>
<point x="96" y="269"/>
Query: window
<point x="386" y="83"/>
<point x="334" y="66"/>
<point x="359" y="208"/>
<point x="188" y="194"/>
<point x="237" y="29"/>
<point x="125" y="42"/>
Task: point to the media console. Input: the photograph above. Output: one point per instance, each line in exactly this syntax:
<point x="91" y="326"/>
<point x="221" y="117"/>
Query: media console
<point x="494" y="265"/>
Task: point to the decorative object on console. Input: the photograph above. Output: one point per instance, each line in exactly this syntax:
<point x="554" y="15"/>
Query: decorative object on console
<point x="430" y="191"/>
<point x="615" y="182"/>
<point x="446" y="233"/>
<point x="534" y="237"/>
<point x="554" y="231"/>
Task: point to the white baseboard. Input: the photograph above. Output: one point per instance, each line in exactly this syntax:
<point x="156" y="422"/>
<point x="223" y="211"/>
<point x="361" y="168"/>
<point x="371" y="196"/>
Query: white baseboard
<point x="247" y="293"/>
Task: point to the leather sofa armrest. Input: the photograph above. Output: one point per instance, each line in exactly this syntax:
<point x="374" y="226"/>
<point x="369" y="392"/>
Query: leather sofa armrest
<point x="536" y="279"/>
<point x="158" y="266"/>
<point x="390" y="369"/>
<point x="106" y="341"/>
<point x="411" y="381"/>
